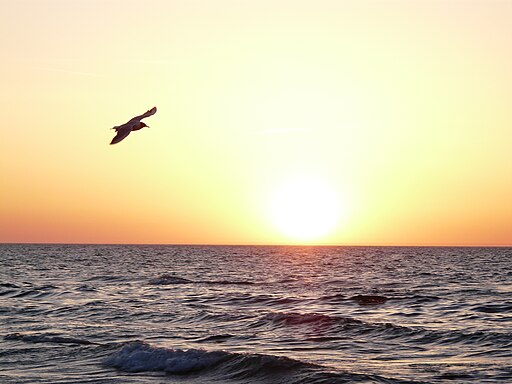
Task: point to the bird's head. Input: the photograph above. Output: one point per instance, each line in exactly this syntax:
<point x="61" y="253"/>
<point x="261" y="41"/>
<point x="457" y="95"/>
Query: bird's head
<point x="142" y="125"/>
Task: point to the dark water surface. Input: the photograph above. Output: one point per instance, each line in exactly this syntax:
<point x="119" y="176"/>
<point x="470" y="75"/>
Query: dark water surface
<point x="200" y="314"/>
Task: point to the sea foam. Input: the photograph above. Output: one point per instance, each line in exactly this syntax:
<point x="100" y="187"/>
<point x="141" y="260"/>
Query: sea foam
<point x="141" y="357"/>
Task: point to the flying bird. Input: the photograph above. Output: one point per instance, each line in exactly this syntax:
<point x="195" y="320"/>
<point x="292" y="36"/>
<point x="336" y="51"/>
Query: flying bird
<point x="133" y="125"/>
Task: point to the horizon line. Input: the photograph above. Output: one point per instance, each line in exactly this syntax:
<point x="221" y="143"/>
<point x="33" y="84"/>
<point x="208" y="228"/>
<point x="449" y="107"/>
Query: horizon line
<point x="270" y="245"/>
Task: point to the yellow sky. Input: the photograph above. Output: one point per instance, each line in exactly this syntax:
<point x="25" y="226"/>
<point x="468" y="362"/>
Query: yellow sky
<point x="401" y="110"/>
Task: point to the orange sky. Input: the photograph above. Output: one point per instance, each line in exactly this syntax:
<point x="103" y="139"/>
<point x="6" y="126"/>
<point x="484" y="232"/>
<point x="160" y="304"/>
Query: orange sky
<point x="393" y="115"/>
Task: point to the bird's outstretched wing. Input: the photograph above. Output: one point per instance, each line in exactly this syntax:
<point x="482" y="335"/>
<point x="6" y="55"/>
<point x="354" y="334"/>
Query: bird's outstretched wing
<point x="152" y="111"/>
<point x="122" y="132"/>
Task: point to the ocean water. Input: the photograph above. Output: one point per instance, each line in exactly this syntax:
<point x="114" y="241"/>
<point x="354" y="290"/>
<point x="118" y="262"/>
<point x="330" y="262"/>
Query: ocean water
<point x="243" y="314"/>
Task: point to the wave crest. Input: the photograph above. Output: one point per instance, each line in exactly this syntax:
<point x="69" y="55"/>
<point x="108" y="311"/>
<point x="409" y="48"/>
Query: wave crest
<point x="141" y="357"/>
<point x="332" y="326"/>
<point x="222" y="366"/>
<point x="168" y="280"/>
<point x="46" y="338"/>
<point x="295" y="318"/>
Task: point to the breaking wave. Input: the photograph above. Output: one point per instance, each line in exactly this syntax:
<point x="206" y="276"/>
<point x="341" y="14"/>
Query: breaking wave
<point x="223" y="365"/>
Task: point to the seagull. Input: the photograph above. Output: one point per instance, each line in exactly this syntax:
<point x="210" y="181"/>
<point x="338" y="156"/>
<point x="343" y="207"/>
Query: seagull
<point x="133" y="125"/>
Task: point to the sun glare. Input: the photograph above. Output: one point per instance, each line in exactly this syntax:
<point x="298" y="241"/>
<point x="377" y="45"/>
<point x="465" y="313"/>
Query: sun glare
<point x="305" y="209"/>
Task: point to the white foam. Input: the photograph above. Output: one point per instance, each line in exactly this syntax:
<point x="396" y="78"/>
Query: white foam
<point x="140" y="357"/>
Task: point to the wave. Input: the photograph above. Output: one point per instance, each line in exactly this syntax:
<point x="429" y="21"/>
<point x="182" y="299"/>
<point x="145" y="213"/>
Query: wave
<point x="334" y="297"/>
<point x="215" y="338"/>
<point x="260" y="299"/>
<point x="15" y="291"/>
<point x="141" y="357"/>
<point x="86" y="288"/>
<point x="369" y="299"/>
<point x="107" y="278"/>
<point x="8" y="285"/>
<point x="167" y="279"/>
<point x="373" y="299"/>
<point x="494" y="308"/>
<point x="223" y="365"/>
<point x="332" y="326"/>
<point x="46" y="338"/>
<point x="222" y="317"/>
<point x="230" y="282"/>
<point x="293" y="319"/>
<point x="416" y="299"/>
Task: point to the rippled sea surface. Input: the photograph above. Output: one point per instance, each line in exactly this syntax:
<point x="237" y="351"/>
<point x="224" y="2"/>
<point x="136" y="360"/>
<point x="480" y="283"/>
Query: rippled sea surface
<point x="201" y="314"/>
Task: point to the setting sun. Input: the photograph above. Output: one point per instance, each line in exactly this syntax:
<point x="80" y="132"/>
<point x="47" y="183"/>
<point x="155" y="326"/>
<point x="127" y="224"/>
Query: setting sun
<point x="305" y="209"/>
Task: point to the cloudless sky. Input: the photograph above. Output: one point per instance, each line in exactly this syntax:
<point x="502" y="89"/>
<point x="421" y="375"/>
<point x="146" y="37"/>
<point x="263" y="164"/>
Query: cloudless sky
<point x="401" y="109"/>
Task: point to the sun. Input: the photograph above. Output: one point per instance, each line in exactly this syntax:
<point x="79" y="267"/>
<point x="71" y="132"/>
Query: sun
<point x="305" y="209"/>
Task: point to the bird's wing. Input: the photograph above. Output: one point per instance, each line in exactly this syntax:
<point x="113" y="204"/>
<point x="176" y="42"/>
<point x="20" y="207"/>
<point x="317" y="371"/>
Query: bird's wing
<point x="152" y="111"/>
<point x="122" y="132"/>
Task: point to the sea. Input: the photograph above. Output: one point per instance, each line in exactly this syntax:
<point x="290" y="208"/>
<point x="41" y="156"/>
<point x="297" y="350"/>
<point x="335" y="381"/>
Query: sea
<point x="254" y="314"/>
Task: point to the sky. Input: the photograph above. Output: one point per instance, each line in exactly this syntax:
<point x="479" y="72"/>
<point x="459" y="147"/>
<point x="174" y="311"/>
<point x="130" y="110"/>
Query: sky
<point x="279" y="122"/>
